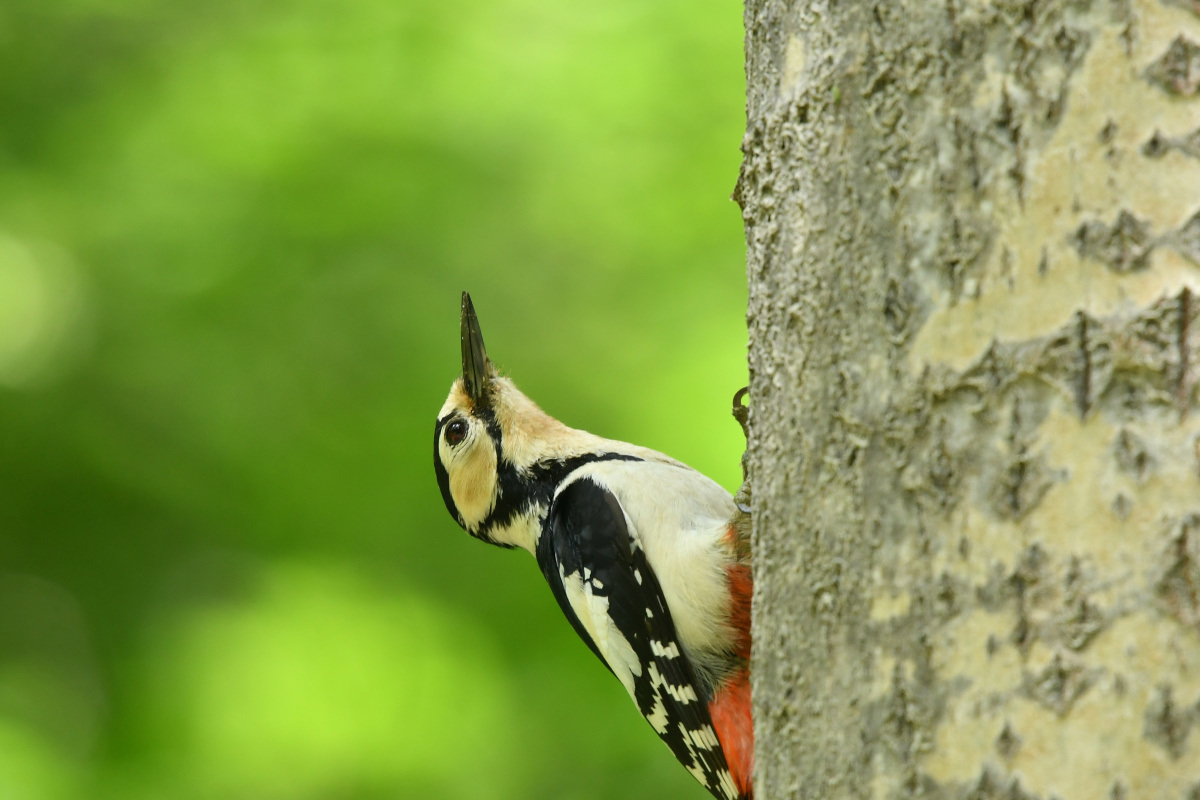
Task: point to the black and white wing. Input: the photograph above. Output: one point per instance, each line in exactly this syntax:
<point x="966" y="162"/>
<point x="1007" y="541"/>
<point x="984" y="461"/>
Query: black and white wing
<point x="604" y="584"/>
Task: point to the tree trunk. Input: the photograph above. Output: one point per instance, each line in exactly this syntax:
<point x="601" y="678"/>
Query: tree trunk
<point x="974" y="264"/>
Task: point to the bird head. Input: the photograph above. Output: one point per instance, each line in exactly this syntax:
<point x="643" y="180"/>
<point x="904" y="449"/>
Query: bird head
<point x="488" y="442"/>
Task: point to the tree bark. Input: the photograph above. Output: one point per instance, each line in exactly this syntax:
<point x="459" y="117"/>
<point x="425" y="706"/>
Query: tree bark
<point x="974" y="265"/>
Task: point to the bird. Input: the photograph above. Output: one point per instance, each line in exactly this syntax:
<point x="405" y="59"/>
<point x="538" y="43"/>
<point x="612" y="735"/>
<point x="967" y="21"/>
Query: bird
<point x="647" y="558"/>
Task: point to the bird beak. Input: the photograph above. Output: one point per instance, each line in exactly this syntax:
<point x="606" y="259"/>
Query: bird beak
<point x="477" y="371"/>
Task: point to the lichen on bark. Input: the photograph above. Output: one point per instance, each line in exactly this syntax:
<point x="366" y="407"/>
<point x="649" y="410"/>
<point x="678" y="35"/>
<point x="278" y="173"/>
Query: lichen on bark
<point x="972" y="237"/>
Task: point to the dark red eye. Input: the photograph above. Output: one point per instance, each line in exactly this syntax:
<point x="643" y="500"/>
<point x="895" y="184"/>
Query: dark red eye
<point x="456" y="431"/>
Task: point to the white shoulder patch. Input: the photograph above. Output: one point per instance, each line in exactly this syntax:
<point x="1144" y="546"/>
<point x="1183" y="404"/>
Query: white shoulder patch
<point x="592" y="610"/>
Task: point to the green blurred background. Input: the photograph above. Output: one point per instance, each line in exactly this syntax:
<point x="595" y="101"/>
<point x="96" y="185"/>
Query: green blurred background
<point x="232" y="241"/>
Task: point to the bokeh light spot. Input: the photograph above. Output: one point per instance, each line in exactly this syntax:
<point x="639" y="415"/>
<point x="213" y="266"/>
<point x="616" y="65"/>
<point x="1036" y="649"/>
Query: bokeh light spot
<point x="325" y="684"/>
<point x="41" y="310"/>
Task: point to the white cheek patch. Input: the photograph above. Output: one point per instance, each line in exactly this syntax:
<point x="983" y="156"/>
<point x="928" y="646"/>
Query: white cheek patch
<point x="472" y="470"/>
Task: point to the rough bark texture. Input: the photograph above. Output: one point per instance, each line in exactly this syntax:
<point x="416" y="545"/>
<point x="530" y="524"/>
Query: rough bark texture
<point x="974" y="263"/>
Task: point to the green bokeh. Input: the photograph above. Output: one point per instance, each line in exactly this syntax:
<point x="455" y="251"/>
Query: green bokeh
<point x="232" y="239"/>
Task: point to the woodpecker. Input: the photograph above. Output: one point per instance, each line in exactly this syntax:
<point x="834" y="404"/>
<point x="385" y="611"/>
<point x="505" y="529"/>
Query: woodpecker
<point x="648" y="559"/>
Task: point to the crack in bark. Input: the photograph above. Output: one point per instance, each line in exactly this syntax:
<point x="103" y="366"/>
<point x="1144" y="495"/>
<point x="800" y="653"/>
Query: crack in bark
<point x="990" y="785"/>
<point x="1159" y="144"/>
<point x="1059" y="685"/>
<point x="1131" y="455"/>
<point x="1124" y="246"/>
<point x="1177" y="70"/>
<point x="1008" y="742"/>
<point x="1185" y="315"/>
<point x="1084" y="396"/>
<point x="1179" y="586"/>
<point x="1168" y="725"/>
<point x="1187" y="239"/>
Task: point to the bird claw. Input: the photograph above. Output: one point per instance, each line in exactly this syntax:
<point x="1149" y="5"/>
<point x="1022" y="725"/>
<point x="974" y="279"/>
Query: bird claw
<point x="741" y="413"/>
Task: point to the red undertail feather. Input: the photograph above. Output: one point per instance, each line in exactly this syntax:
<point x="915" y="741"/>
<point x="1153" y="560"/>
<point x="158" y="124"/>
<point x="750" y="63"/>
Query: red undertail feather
<point x="741" y="588"/>
<point x="730" y="712"/>
<point x="730" y="708"/>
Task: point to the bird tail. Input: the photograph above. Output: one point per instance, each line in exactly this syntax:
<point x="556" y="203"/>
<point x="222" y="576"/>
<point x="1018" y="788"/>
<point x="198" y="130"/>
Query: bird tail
<point x="730" y="707"/>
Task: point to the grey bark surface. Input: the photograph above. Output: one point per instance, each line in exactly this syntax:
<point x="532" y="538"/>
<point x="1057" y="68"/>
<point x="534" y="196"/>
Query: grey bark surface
<point x="973" y="237"/>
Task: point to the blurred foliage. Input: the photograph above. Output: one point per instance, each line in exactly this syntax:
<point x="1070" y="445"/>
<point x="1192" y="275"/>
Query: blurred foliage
<point x="232" y="241"/>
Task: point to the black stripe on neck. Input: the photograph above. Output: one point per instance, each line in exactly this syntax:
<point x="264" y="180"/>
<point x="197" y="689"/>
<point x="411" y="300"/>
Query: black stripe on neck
<point x="521" y="490"/>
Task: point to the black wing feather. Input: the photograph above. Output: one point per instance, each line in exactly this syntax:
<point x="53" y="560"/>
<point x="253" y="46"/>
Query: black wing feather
<point x="586" y="533"/>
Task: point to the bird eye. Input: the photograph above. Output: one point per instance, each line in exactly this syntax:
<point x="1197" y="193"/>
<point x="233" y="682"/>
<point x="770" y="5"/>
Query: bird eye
<point x="456" y="431"/>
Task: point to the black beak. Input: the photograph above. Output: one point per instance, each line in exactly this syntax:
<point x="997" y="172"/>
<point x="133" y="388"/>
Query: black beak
<point x="477" y="370"/>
